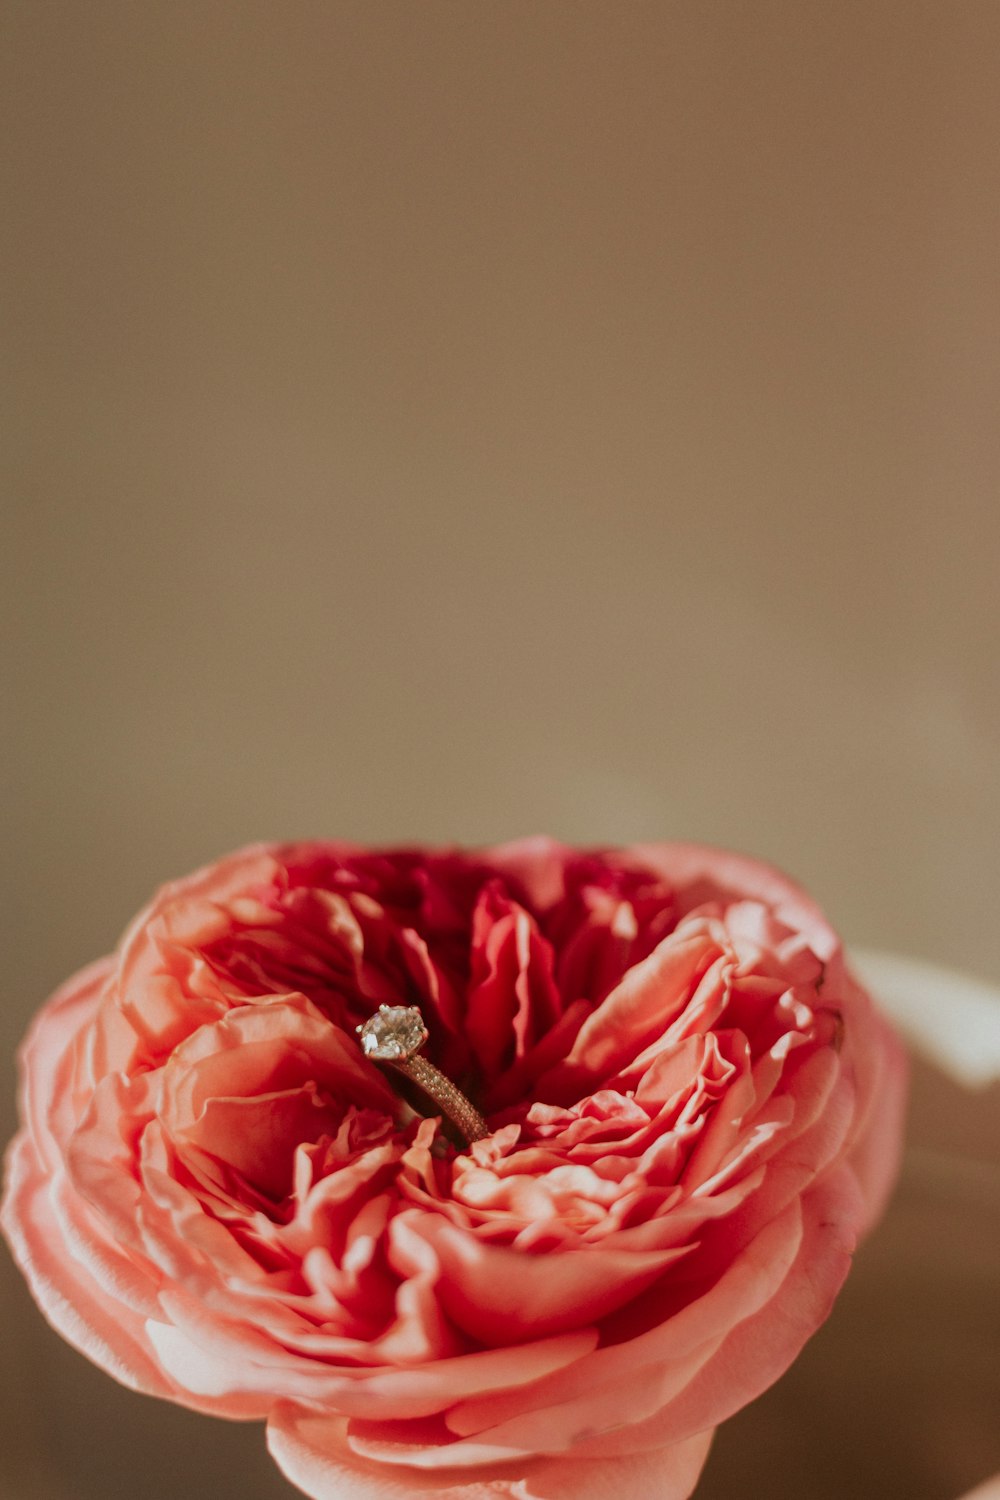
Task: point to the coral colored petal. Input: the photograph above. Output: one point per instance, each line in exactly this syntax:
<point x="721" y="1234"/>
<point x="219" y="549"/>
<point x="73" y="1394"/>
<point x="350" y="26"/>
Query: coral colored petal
<point x="626" y="1383"/>
<point x="537" y="864"/>
<point x="428" y="1389"/>
<point x="219" y="1360"/>
<point x="667" y="1474"/>
<point x="502" y="1296"/>
<point x="878" y="1133"/>
<point x="88" y="1317"/>
<point x="314" y="1453"/>
<point x="48" y="1101"/>
<point x="643" y="1004"/>
<point x="212" y="1382"/>
<point x="760" y="1348"/>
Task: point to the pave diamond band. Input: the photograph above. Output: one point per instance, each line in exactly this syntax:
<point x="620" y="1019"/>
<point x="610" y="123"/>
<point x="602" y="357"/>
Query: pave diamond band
<point x="394" y="1036"/>
<point x="449" y="1100"/>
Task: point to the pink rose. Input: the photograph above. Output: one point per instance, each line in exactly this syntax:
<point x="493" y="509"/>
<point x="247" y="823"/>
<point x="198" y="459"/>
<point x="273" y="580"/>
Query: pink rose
<point x="693" y="1113"/>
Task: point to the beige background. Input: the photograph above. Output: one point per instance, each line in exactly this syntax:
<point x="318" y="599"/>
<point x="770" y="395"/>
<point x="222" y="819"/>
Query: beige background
<point x="449" y="421"/>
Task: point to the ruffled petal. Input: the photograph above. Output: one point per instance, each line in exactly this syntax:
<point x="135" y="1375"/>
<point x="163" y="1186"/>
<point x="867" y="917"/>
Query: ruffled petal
<point x="315" y="1453"/>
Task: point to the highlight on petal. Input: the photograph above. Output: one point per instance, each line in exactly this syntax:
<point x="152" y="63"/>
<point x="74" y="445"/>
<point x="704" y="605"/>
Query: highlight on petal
<point x="668" y="1473"/>
<point x="312" y="1451"/>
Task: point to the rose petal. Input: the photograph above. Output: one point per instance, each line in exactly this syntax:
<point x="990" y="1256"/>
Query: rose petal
<point x="50" y="1094"/>
<point x="620" y="1384"/>
<point x="314" y="1453"/>
<point x="501" y="1296"/>
<point x="100" y="1325"/>
<point x="761" y="1347"/>
<point x="641" y="1007"/>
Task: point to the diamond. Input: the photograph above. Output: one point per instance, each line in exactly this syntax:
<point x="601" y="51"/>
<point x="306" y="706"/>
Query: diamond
<point x="393" y="1032"/>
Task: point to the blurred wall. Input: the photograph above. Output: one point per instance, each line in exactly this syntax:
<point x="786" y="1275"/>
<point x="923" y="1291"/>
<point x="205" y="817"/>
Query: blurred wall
<point x="449" y="421"/>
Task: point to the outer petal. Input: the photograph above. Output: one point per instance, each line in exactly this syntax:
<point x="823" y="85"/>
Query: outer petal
<point x="217" y="1363"/>
<point x="313" y="1452"/>
<point x="50" y="1089"/>
<point x="760" y="1348"/>
<point x="98" y="1323"/>
<point x="537" y="863"/>
<point x="878" y="1135"/>
<point x="668" y="1474"/>
<point x="621" y="1383"/>
<point x="708" y="872"/>
<point x="93" y="1300"/>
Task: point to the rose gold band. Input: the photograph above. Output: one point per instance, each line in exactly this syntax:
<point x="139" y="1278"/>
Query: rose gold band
<point x="449" y="1100"/>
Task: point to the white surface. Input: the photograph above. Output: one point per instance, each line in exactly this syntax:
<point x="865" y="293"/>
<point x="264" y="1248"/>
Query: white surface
<point x="951" y="1018"/>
